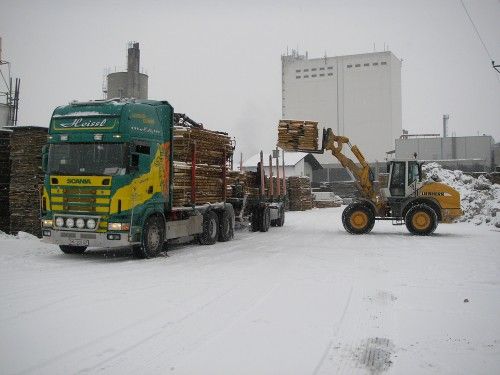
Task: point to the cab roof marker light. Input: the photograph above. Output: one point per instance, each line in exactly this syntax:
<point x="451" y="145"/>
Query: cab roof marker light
<point x="98" y="137"/>
<point x="117" y="135"/>
<point x="64" y="137"/>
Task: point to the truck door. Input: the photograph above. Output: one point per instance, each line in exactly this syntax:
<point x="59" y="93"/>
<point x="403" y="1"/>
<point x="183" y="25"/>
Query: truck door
<point x="413" y="177"/>
<point x="398" y="179"/>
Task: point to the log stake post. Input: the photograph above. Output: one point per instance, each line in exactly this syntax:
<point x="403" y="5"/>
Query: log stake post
<point x="284" y="178"/>
<point x="278" y="184"/>
<point x="271" y="190"/>
<point x="224" y="166"/>
<point x="193" y="174"/>
<point x="262" y="187"/>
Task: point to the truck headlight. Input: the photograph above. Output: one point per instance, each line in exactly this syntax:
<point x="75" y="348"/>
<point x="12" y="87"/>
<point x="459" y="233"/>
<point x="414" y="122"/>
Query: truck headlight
<point x="91" y="223"/>
<point x="70" y="222"/>
<point x="80" y="223"/>
<point x="60" y="222"/>
<point x="47" y="223"/>
<point x="118" y="226"/>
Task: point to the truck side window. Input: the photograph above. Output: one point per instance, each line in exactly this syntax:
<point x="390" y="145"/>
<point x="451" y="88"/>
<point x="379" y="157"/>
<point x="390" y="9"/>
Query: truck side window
<point x="397" y="187"/>
<point x="142" y="149"/>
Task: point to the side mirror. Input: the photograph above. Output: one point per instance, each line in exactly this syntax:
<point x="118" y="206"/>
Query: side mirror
<point x="45" y="158"/>
<point x="133" y="164"/>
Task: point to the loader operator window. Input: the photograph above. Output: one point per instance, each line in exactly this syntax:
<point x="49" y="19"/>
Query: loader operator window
<point x="413" y="172"/>
<point x="87" y="159"/>
<point x="397" y="187"/>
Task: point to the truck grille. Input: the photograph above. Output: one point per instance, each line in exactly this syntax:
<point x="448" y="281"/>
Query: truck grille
<point x="89" y="200"/>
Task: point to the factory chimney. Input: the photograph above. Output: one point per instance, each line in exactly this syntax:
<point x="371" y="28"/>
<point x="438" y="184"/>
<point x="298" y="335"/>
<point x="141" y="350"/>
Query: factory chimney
<point x="134" y="56"/>
<point x="445" y="125"/>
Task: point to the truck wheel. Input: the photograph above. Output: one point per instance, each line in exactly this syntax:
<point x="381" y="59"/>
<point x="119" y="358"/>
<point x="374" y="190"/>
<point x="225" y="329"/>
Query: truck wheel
<point x="421" y="220"/>
<point x="153" y="236"/>
<point x="210" y="228"/>
<point x="226" y="228"/>
<point x="281" y="220"/>
<point x="265" y="219"/>
<point x="255" y="224"/>
<point x="357" y="218"/>
<point x="66" y="249"/>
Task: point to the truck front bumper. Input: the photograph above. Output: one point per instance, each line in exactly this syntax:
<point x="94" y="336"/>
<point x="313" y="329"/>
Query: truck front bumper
<point x="90" y="239"/>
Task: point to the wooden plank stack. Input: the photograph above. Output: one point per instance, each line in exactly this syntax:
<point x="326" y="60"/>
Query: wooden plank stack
<point x="4" y="180"/>
<point x="210" y="147"/>
<point x="26" y="179"/>
<point x="299" y="193"/>
<point x="294" y="135"/>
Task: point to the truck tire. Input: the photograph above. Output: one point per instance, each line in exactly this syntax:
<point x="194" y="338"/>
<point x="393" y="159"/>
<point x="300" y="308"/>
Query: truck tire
<point x="421" y="220"/>
<point x="226" y="227"/>
<point x="255" y="223"/>
<point x="281" y="220"/>
<point x="265" y="219"/>
<point x="153" y="236"/>
<point x="66" y="249"/>
<point x="358" y="218"/>
<point x="210" y="228"/>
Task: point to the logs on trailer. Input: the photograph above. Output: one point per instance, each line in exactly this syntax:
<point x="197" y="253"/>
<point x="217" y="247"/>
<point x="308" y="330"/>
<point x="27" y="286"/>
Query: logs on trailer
<point x="4" y="180"/>
<point x="212" y="150"/>
<point x="296" y="135"/>
<point x="299" y="193"/>
<point x="26" y="178"/>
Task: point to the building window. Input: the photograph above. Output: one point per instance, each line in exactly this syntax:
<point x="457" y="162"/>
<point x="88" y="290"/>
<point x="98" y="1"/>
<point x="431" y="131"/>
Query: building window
<point x="313" y="69"/>
<point x="314" y="75"/>
<point x="297" y="77"/>
<point x="321" y="68"/>
<point x="330" y="68"/>
<point x="322" y="74"/>
<point x="330" y="74"/>
<point x="306" y="76"/>
<point x="297" y="71"/>
<point x="357" y="65"/>
<point x="383" y="63"/>
<point x="349" y="66"/>
<point x="375" y="64"/>
<point x="366" y="64"/>
<point x="306" y="70"/>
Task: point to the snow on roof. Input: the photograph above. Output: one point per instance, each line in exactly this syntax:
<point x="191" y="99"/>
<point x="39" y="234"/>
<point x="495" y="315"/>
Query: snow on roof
<point x="291" y="159"/>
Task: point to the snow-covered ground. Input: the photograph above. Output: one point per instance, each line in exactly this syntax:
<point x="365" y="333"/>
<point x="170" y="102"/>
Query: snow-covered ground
<point x="303" y="299"/>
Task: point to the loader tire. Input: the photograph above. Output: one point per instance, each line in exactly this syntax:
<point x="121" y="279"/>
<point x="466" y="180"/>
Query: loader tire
<point x="358" y="218"/>
<point x="421" y="220"/>
<point x="66" y="249"/>
<point x="210" y="228"/>
<point x="153" y="237"/>
<point x="226" y="227"/>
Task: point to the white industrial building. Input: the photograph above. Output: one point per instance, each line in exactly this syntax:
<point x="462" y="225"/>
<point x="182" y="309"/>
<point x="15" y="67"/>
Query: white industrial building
<point x="296" y="164"/>
<point x="358" y="96"/>
<point x="471" y="153"/>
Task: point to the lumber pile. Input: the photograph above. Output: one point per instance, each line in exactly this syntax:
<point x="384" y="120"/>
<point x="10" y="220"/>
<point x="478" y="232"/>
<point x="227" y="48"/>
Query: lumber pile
<point x="213" y="150"/>
<point x="4" y="180"/>
<point x="26" y="178"/>
<point x="299" y="193"/>
<point x="248" y="180"/>
<point x="294" y="135"/>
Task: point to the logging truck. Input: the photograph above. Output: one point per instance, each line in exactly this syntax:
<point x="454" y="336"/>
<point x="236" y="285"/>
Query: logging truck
<point x="109" y="181"/>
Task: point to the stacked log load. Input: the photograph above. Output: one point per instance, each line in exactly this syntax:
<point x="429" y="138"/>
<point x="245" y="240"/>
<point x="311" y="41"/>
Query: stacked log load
<point x="298" y="135"/>
<point x="26" y="178"/>
<point x="4" y="180"/>
<point x="211" y="146"/>
<point x="299" y="193"/>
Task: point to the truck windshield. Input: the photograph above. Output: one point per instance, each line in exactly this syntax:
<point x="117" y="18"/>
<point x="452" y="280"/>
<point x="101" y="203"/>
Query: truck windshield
<point x="87" y="159"/>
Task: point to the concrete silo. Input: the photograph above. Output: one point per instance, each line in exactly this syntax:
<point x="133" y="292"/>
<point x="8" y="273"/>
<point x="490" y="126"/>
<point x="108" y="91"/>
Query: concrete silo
<point x="129" y="84"/>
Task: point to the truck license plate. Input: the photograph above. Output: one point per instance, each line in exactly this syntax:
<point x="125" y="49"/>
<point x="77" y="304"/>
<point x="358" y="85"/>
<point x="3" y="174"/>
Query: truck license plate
<point x="79" y="242"/>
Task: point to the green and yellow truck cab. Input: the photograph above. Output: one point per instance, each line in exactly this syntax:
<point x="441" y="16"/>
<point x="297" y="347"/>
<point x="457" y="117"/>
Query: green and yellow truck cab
<point x="109" y="181"/>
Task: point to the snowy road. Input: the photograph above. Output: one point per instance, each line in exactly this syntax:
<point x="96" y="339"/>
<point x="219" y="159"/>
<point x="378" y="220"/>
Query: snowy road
<point x="303" y="299"/>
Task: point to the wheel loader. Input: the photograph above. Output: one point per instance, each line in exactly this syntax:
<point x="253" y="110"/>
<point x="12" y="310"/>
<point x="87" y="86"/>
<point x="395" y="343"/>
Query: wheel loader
<point x="406" y="199"/>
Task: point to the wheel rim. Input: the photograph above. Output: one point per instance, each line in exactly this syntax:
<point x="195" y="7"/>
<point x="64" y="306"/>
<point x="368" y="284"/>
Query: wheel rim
<point x="154" y="237"/>
<point x="421" y="220"/>
<point x="213" y="228"/>
<point x="359" y="219"/>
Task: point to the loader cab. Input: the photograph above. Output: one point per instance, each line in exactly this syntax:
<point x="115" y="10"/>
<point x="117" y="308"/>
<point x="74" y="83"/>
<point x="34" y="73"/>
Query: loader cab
<point x="405" y="177"/>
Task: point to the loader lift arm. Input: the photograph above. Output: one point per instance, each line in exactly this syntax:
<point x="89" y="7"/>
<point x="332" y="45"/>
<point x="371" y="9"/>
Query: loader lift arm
<point x="363" y="174"/>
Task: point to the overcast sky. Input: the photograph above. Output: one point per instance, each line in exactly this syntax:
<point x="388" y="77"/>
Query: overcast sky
<point x="219" y="61"/>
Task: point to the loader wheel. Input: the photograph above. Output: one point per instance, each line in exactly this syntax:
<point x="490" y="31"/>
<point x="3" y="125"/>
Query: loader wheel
<point x="265" y="219"/>
<point x="255" y="224"/>
<point x="357" y="218"/>
<point x="226" y="229"/>
<point x="66" y="249"/>
<point x="210" y="228"/>
<point x="153" y="236"/>
<point x="421" y="220"/>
